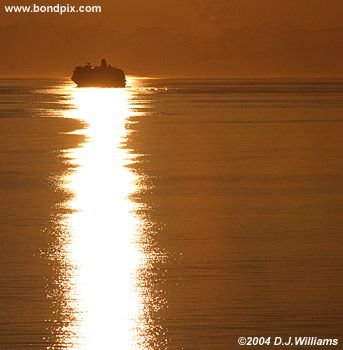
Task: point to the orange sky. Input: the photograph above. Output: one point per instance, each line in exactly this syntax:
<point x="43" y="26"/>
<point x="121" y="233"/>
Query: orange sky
<point x="180" y="37"/>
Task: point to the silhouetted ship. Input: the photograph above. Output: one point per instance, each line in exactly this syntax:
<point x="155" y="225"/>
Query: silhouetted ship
<point x="99" y="76"/>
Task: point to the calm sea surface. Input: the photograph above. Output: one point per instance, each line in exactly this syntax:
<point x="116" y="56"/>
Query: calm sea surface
<point x="173" y="214"/>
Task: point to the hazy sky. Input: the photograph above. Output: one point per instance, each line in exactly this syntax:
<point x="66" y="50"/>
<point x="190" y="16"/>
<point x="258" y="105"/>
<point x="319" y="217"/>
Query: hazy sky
<point x="179" y="37"/>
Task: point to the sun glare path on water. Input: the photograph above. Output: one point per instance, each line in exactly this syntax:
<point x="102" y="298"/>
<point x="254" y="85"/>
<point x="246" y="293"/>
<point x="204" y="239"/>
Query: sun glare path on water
<point x="103" y="227"/>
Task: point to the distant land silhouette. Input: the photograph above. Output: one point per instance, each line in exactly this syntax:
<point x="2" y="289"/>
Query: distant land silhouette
<point x="267" y="51"/>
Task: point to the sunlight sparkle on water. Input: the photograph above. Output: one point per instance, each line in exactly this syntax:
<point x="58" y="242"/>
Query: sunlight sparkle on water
<point x="102" y="225"/>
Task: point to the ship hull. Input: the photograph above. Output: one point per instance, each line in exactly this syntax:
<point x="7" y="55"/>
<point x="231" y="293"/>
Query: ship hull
<point x="100" y="84"/>
<point x="106" y="83"/>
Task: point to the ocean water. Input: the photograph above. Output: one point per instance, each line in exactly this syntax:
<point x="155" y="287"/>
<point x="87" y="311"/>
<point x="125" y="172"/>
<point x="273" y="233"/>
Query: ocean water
<point x="172" y="214"/>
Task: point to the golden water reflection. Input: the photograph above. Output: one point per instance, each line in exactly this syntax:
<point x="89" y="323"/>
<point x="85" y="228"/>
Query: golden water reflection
<point x="102" y="225"/>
